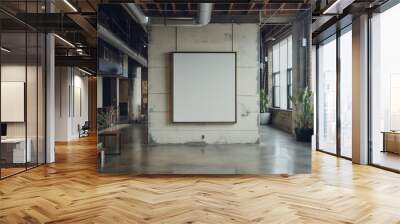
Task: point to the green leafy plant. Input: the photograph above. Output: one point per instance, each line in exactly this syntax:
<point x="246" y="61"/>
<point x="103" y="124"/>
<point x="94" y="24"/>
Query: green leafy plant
<point x="304" y="112"/>
<point x="106" y="117"/>
<point x="264" y="101"/>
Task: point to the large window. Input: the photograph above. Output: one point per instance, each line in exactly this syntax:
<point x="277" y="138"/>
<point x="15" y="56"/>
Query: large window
<point x="385" y="89"/>
<point x="327" y="95"/>
<point x="282" y="73"/>
<point x="335" y="94"/>
<point x="346" y="93"/>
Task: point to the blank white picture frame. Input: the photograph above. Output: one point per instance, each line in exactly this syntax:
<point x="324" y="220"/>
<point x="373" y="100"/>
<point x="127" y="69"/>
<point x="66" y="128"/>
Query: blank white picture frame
<point x="204" y="87"/>
<point x="12" y="102"/>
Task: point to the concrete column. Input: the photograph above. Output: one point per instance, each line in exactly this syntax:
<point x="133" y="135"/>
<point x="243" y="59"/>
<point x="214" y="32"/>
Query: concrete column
<point x="135" y="94"/>
<point x="314" y="90"/>
<point x="360" y="90"/>
<point x="131" y="90"/>
<point x="99" y="92"/>
<point x="117" y="92"/>
<point x="50" y="98"/>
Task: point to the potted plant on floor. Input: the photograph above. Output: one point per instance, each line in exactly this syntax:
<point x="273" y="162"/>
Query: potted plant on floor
<point x="304" y="115"/>
<point x="265" y="115"/>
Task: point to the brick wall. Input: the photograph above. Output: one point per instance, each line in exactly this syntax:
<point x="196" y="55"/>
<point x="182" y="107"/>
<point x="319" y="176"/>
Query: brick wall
<point x="282" y="119"/>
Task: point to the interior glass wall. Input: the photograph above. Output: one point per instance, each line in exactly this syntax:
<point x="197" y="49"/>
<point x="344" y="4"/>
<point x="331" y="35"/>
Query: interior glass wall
<point x="22" y="93"/>
<point x="327" y="93"/>
<point x="385" y="89"/>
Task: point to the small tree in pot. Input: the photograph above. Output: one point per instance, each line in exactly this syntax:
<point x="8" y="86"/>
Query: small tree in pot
<point x="265" y="115"/>
<point x="304" y="115"/>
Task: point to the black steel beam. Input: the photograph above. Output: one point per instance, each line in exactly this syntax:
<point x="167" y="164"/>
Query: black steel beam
<point x="79" y="61"/>
<point x="49" y="22"/>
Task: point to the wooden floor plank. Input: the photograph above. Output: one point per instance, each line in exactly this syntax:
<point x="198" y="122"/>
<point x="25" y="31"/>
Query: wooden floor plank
<point x="71" y="191"/>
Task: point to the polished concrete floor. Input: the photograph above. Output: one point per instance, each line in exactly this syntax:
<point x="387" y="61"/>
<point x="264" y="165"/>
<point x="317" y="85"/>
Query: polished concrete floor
<point x="278" y="153"/>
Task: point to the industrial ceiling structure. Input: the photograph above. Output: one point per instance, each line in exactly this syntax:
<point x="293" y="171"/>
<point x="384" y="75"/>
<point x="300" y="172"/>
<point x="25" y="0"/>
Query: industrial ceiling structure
<point x="75" y="21"/>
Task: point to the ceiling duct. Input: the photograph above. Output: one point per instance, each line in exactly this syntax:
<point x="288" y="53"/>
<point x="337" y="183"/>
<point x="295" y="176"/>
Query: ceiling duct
<point x="112" y="39"/>
<point x="137" y="14"/>
<point x="205" y="12"/>
<point x="203" y="18"/>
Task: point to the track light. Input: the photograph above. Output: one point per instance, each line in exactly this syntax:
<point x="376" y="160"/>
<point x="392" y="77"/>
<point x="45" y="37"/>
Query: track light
<point x="5" y="50"/>
<point x="337" y="7"/>
<point x="84" y="71"/>
<point x="64" y="40"/>
<point x="70" y="5"/>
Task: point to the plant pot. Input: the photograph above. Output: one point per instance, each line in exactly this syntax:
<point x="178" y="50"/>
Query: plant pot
<point x="265" y="118"/>
<point x="303" y="134"/>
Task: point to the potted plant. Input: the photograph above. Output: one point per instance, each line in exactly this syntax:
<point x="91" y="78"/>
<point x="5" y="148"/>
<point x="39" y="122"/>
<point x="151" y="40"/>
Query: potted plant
<point x="304" y="115"/>
<point x="265" y="115"/>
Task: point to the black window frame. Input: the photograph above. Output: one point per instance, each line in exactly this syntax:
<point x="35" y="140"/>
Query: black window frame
<point x="289" y="88"/>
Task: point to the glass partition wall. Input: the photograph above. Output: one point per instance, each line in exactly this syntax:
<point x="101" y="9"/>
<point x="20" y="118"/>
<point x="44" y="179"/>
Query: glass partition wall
<point x="22" y="77"/>
<point x="334" y="94"/>
<point x="385" y="89"/>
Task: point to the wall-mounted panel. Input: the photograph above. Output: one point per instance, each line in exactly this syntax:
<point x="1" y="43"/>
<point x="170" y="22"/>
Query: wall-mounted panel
<point x="12" y="101"/>
<point x="204" y="87"/>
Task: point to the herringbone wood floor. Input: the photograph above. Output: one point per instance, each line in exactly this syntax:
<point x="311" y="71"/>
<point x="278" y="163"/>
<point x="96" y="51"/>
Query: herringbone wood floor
<point x="71" y="191"/>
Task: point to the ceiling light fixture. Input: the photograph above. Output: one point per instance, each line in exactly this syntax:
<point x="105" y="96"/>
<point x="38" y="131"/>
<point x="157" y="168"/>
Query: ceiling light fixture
<point x="84" y="71"/>
<point x="70" y="5"/>
<point x="64" y="40"/>
<point x="337" y="7"/>
<point x="5" y="50"/>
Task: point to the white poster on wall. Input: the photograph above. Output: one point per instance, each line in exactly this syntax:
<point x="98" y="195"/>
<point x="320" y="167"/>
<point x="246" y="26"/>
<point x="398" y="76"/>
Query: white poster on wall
<point x="12" y="101"/>
<point x="204" y="87"/>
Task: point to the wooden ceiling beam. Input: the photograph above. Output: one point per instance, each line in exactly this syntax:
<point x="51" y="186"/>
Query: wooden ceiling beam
<point x="159" y="8"/>
<point x="189" y="7"/>
<point x="231" y="7"/>
<point x="174" y="8"/>
<point x="265" y="7"/>
<point x="252" y="5"/>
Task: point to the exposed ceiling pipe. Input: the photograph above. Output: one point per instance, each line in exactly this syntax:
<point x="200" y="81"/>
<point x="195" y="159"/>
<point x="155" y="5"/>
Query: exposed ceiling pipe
<point x="110" y="38"/>
<point x="205" y="13"/>
<point x="203" y="18"/>
<point x="138" y="14"/>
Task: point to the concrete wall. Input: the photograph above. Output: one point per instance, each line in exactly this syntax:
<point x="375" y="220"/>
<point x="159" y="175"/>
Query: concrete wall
<point x="244" y="39"/>
<point x="282" y="119"/>
<point x="68" y="111"/>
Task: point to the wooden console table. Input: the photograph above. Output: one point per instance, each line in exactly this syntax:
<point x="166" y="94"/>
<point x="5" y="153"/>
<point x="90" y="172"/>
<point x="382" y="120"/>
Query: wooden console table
<point x="391" y="141"/>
